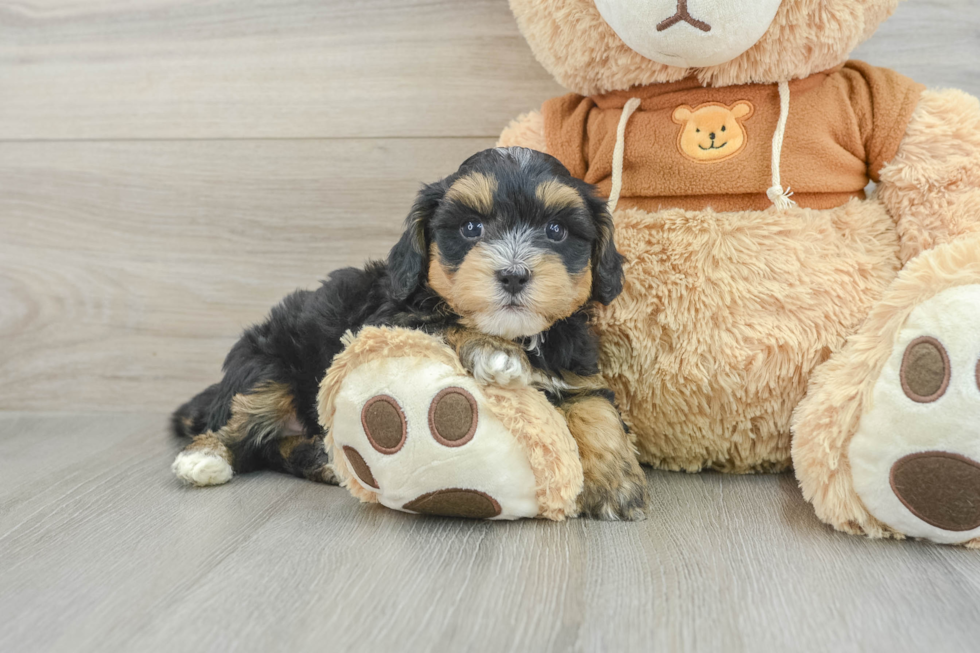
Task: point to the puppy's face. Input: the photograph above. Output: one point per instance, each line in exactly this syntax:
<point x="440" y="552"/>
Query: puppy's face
<point x="512" y="243"/>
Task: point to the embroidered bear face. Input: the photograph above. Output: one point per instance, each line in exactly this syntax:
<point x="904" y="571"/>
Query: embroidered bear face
<point x="713" y="131"/>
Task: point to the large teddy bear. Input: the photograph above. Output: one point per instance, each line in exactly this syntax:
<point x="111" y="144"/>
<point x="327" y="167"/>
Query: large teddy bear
<point x="773" y="314"/>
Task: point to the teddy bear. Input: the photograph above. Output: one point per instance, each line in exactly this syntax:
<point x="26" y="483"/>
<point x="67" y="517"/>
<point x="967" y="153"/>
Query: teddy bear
<point x="409" y="428"/>
<point x="775" y="315"/>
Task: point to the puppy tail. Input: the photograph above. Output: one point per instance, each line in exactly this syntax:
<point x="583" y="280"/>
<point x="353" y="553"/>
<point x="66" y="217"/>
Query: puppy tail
<point x="191" y="419"/>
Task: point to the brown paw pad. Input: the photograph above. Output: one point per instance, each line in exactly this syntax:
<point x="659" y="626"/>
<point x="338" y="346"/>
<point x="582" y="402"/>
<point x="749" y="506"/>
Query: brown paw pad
<point x="455" y="502"/>
<point x="360" y="467"/>
<point x="453" y="417"/>
<point x="940" y="488"/>
<point x="925" y="370"/>
<point x="384" y="424"/>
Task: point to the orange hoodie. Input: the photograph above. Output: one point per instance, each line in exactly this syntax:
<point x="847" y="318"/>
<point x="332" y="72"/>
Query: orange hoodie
<point x="693" y="147"/>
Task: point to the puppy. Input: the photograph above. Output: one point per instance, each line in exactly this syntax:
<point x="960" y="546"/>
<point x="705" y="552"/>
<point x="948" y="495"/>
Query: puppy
<point x="502" y="259"/>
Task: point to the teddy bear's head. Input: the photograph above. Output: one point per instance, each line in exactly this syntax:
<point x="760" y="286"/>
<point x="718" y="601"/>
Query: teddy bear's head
<point x="596" y="46"/>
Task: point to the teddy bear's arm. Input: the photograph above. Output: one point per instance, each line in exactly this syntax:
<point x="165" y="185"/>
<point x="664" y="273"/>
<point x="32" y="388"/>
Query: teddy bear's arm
<point x="932" y="186"/>
<point x="527" y="130"/>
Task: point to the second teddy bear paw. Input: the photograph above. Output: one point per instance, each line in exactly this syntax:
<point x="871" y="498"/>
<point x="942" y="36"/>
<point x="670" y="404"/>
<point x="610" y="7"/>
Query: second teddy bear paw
<point x="915" y="458"/>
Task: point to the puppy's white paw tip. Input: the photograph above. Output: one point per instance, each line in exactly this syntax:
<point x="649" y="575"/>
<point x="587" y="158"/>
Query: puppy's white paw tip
<point x="502" y="368"/>
<point x="201" y="469"/>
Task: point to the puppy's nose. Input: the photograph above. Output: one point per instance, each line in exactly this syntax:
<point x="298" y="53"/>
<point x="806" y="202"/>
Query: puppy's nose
<point x="513" y="281"/>
<point x="711" y="136"/>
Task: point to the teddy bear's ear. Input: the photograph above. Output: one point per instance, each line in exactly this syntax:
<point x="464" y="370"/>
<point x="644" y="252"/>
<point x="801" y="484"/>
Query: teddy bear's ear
<point x="742" y="110"/>
<point x="682" y="114"/>
<point x="408" y="258"/>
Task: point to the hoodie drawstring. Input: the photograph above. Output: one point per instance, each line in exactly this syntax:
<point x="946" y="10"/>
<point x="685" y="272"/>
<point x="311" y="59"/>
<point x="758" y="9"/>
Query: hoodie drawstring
<point x="779" y="197"/>
<point x="618" y="153"/>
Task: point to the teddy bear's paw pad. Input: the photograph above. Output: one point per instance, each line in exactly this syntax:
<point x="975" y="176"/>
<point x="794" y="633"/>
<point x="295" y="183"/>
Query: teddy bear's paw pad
<point x="941" y="489"/>
<point x="360" y="467"/>
<point x="453" y="417"/>
<point x="419" y="436"/>
<point x="925" y="370"/>
<point x="915" y="457"/>
<point x="384" y="424"/>
<point x="455" y="502"/>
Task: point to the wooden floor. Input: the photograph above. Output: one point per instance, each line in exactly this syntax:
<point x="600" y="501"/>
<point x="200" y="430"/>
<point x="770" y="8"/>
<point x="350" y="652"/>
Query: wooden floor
<point x="100" y="550"/>
<point x="168" y="170"/>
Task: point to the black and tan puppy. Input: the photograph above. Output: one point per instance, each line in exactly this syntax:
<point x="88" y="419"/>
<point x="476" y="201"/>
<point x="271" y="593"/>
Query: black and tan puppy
<point x="502" y="259"/>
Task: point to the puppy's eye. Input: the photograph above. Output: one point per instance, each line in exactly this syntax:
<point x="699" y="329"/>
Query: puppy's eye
<point x="722" y="128"/>
<point x="471" y="229"/>
<point x="697" y="130"/>
<point x="555" y="232"/>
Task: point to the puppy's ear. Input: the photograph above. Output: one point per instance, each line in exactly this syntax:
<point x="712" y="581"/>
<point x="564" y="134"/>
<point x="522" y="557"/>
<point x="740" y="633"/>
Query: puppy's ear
<point x="408" y="259"/>
<point x="607" y="263"/>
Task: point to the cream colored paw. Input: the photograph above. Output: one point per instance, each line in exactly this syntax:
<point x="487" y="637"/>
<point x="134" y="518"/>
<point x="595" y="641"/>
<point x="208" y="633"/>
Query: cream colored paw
<point x="915" y="458"/>
<point x="201" y="468"/>
<point x="420" y="437"/>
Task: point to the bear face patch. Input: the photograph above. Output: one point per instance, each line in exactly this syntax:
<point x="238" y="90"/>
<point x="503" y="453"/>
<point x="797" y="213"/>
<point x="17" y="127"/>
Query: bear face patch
<point x="712" y="131"/>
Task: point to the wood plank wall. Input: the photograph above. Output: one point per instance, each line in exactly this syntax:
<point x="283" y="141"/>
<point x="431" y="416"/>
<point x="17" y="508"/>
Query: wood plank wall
<point x="170" y="168"/>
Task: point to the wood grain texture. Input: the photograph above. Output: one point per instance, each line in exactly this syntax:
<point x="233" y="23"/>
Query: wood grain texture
<point x="936" y="42"/>
<point x="127" y="270"/>
<point x="102" y="550"/>
<point x="262" y="69"/>
<point x="309" y="68"/>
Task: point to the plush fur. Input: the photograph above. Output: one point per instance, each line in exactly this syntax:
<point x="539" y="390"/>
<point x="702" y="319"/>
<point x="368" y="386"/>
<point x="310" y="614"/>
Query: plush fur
<point x="574" y="43"/>
<point x="539" y="430"/>
<point x="504" y="260"/>
<point x="724" y="315"/>
<point x="728" y="318"/>
<point x="933" y="185"/>
<point x="840" y="391"/>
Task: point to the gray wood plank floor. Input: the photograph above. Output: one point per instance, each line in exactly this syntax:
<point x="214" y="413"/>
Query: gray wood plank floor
<point x="168" y="170"/>
<point x="102" y="550"/>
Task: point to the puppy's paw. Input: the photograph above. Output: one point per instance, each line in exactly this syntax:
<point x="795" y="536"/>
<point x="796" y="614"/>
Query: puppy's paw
<point x="500" y="367"/>
<point x="201" y="468"/>
<point x="327" y="474"/>
<point x="615" y="494"/>
<point x="497" y="361"/>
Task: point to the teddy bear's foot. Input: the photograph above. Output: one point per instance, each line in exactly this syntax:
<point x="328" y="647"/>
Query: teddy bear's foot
<point x="915" y="457"/>
<point x="409" y="428"/>
<point x="441" y="453"/>
<point x="887" y="441"/>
